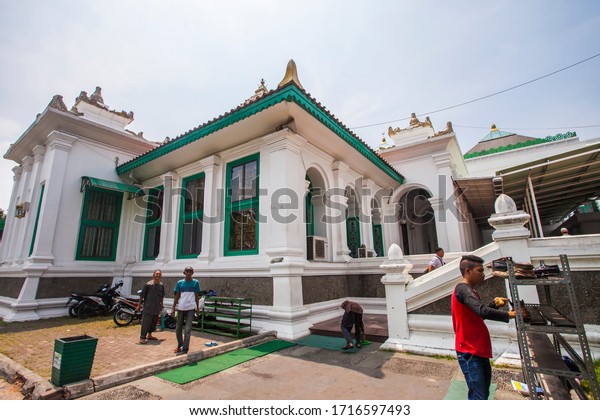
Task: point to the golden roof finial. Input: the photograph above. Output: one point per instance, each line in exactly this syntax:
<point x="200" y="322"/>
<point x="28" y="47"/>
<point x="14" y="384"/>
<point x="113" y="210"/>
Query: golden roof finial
<point x="494" y="127"/>
<point x="291" y="75"/>
<point x="414" y="120"/>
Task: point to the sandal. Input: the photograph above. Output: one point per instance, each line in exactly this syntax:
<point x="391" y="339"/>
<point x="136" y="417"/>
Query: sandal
<point x="347" y="347"/>
<point x="143" y="341"/>
<point x="152" y="338"/>
<point x="358" y="345"/>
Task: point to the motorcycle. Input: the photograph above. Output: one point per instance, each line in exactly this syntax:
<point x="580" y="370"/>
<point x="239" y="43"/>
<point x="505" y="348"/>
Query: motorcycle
<point x="126" y="310"/>
<point x="79" y="297"/>
<point x="99" y="303"/>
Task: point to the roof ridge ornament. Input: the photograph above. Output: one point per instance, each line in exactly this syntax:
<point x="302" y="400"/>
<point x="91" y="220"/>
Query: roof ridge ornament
<point x="291" y="75"/>
<point x="414" y="123"/>
<point x="58" y="103"/>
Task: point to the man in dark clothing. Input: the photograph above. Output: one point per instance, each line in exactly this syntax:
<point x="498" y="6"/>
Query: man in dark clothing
<point x="352" y="317"/>
<point x="152" y="297"/>
<point x="473" y="343"/>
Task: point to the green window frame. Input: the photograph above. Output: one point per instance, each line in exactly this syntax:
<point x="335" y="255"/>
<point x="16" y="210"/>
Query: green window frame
<point x="241" y="206"/>
<point x="99" y="225"/>
<point x="152" y="230"/>
<point x="310" y="211"/>
<point x="37" y="219"/>
<point x="191" y="214"/>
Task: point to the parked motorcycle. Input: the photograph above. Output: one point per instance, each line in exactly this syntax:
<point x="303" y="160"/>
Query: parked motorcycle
<point x="99" y="303"/>
<point x="126" y="310"/>
<point x="79" y="297"/>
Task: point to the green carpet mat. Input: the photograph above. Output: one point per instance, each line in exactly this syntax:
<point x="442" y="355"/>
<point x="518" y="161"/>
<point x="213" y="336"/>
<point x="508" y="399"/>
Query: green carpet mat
<point x="459" y="391"/>
<point x="221" y="362"/>
<point x="325" y="342"/>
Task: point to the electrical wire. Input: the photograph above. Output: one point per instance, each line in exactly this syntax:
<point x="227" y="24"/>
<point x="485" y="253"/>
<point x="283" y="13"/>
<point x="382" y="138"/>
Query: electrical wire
<point x="482" y="97"/>
<point x="531" y="128"/>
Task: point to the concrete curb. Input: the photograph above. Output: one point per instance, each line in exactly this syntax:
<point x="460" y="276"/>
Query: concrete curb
<point x="100" y="383"/>
<point x="37" y="388"/>
<point x="33" y="387"/>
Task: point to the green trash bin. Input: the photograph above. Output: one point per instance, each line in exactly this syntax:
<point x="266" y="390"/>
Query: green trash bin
<point x="73" y="359"/>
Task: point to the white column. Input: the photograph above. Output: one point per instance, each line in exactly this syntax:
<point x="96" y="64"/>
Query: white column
<point x="33" y="198"/>
<point x="169" y="219"/>
<point x="59" y="145"/>
<point x="437" y="204"/>
<point x="366" y="221"/>
<point x="286" y="233"/>
<point x="448" y="218"/>
<point x="21" y="224"/>
<point x="285" y="225"/>
<point x="212" y="223"/>
<point x="341" y="252"/>
<point x="9" y="228"/>
<point x="395" y="280"/>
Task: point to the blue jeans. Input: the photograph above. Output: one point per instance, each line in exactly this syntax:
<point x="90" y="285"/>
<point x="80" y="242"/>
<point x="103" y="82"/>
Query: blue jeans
<point x="478" y="374"/>
<point x="182" y="342"/>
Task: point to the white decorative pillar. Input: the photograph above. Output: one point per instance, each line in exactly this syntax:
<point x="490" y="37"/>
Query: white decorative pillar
<point x="336" y="210"/>
<point x="168" y="223"/>
<point x="286" y="186"/>
<point x="286" y="233"/>
<point x="511" y="236"/>
<point x="366" y="220"/>
<point x="212" y="223"/>
<point x="437" y="204"/>
<point x="7" y="242"/>
<point x="59" y="145"/>
<point x="448" y="218"/>
<point x="395" y="280"/>
<point x="21" y="224"/>
<point x="33" y="197"/>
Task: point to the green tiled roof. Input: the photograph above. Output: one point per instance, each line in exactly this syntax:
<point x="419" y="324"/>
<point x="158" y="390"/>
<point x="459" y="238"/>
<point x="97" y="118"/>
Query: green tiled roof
<point x="521" y="145"/>
<point x="287" y="93"/>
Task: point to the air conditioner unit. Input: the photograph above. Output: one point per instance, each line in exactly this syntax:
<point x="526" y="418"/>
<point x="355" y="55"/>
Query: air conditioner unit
<point x="316" y="248"/>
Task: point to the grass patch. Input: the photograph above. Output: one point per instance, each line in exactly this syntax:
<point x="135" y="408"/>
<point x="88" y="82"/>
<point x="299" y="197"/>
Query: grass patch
<point x="586" y="384"/>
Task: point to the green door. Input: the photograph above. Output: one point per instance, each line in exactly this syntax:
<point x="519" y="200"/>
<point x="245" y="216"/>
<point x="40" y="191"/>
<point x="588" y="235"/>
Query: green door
<point x="378" y="240"/>
<point x="353" y="235"/>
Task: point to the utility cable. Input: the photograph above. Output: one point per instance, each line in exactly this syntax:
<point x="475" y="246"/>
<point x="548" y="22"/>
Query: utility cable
<point x="482" y="97"/>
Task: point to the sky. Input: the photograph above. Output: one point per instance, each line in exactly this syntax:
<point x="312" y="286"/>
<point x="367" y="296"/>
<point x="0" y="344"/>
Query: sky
<point x="178" y="64"/>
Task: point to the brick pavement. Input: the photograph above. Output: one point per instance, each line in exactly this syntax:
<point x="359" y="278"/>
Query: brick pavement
<point x="31" y="344"/>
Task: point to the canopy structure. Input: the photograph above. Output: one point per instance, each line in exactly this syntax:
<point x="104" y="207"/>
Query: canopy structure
<point x="480" y="194"/>
<point x="89" y="182"/>
<point x="548" y="189"/>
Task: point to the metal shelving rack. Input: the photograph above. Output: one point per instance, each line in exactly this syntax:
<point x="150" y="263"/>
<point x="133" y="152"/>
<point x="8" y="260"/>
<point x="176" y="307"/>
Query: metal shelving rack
<point x="541" y="357"/>
<point x="227" y="316"/>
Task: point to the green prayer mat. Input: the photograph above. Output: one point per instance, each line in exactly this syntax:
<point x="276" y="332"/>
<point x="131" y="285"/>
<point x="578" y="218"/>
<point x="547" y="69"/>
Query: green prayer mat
<point x="221" y="362"/>
<point x="459" y="391"/>
<point x="325" y="342"/>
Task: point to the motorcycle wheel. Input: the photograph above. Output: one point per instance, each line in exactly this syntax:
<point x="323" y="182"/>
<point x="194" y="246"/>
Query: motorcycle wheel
<point x="84" y="310"/>
<point x="122" y="318"/>
<point x="73" y="311"/>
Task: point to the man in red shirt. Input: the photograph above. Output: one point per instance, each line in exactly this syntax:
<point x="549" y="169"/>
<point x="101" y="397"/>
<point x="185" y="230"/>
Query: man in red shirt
<point x="473" y="343"/>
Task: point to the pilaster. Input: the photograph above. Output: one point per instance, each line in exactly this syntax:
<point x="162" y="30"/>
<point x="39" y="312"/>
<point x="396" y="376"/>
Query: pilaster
<point x="59" y="145"/>
<point x="212" y="222"/>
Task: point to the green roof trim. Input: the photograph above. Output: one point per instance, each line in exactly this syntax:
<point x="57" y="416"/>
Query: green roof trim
<point x="521" y="145"/>
<point x="90" y="182"/>
<point x="289" y="93"/>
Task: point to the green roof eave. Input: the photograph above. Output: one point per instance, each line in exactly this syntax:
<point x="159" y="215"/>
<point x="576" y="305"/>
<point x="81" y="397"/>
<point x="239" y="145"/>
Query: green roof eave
<point x="90" y="182"/>
<point x="520" y="145"/>
<point x="289" y="93"/>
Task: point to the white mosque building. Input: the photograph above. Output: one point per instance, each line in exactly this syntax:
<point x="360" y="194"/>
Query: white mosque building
<point x="276" y="200"/>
